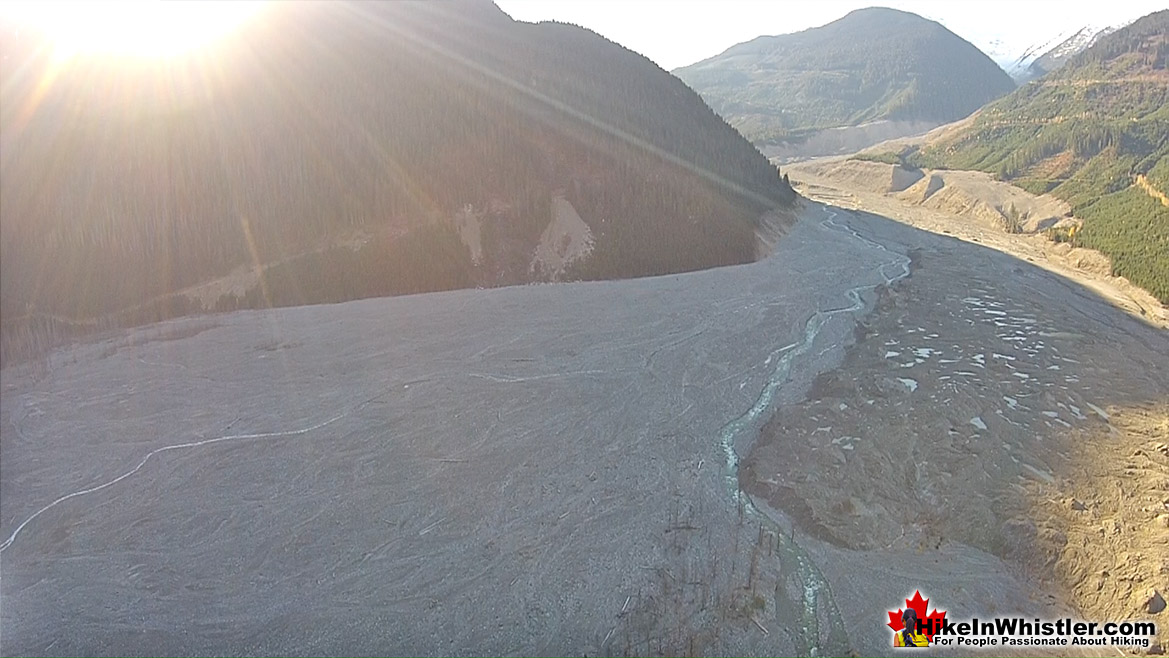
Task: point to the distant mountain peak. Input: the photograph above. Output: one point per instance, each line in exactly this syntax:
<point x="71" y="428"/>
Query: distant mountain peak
<point x="886" y="13"/>
<point x="1052" y="54"/>
<point x="872" y="64"/>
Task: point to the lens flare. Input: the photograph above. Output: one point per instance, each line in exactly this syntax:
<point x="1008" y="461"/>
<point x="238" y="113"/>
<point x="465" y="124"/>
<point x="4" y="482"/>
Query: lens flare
<point x="135" y="28"/>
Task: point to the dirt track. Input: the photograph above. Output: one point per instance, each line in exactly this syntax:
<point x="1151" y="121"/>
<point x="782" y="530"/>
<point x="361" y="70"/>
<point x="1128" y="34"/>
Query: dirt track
<point x="539" y="469"/>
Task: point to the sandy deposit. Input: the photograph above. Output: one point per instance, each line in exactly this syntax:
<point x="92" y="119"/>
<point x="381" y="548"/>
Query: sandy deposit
<point x="968" y="413"/>
<point x="973" y="195"/>
<point x="973" y="209"/>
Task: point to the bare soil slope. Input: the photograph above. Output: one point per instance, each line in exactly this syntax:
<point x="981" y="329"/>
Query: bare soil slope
<point x="971" y="194"/>
<point x="970" y="206"/>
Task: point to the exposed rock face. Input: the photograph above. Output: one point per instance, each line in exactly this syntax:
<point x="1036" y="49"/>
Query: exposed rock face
<point x="566" y="239"/>
<point x="1155" y="604"/>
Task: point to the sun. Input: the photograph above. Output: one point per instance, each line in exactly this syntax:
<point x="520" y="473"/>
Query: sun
<point x="136" y="28"/>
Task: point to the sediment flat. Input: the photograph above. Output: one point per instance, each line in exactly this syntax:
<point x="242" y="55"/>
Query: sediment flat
<point x="538" y="469"/>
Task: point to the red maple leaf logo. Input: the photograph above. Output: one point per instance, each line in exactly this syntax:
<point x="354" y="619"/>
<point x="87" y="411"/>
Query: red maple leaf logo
<point x="919" y="606"/>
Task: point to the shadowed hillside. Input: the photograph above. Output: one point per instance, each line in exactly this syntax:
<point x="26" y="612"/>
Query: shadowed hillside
<point x="331" y="151"/>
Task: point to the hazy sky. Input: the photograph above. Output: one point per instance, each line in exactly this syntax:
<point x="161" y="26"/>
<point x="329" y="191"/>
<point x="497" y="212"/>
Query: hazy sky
<point x="675" y="33"/>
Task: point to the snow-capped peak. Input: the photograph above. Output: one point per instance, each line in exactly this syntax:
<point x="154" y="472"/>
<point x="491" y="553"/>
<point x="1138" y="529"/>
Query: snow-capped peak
<point x="1053" y="53"/>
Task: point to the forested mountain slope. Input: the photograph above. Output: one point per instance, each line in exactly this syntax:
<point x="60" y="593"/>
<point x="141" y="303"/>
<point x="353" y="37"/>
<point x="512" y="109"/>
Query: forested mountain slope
<point x="347" y="150"/>
<point x="873" y="64"/>
<point x="1094" y="133"/>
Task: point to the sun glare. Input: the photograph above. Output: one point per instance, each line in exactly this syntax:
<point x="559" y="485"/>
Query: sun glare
<point x="132" y="28"/>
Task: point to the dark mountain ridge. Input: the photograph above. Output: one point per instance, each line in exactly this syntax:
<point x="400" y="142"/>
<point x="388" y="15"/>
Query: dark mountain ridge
<point x="332" y="149"/>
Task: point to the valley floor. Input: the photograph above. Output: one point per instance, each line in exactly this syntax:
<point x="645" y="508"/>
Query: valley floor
<point x="554" y="468"/>
<point x="988" y="403"/>
<point x="848" y="185"/>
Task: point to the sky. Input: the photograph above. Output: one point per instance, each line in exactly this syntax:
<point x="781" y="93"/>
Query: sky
<point x="675" y="33"/>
